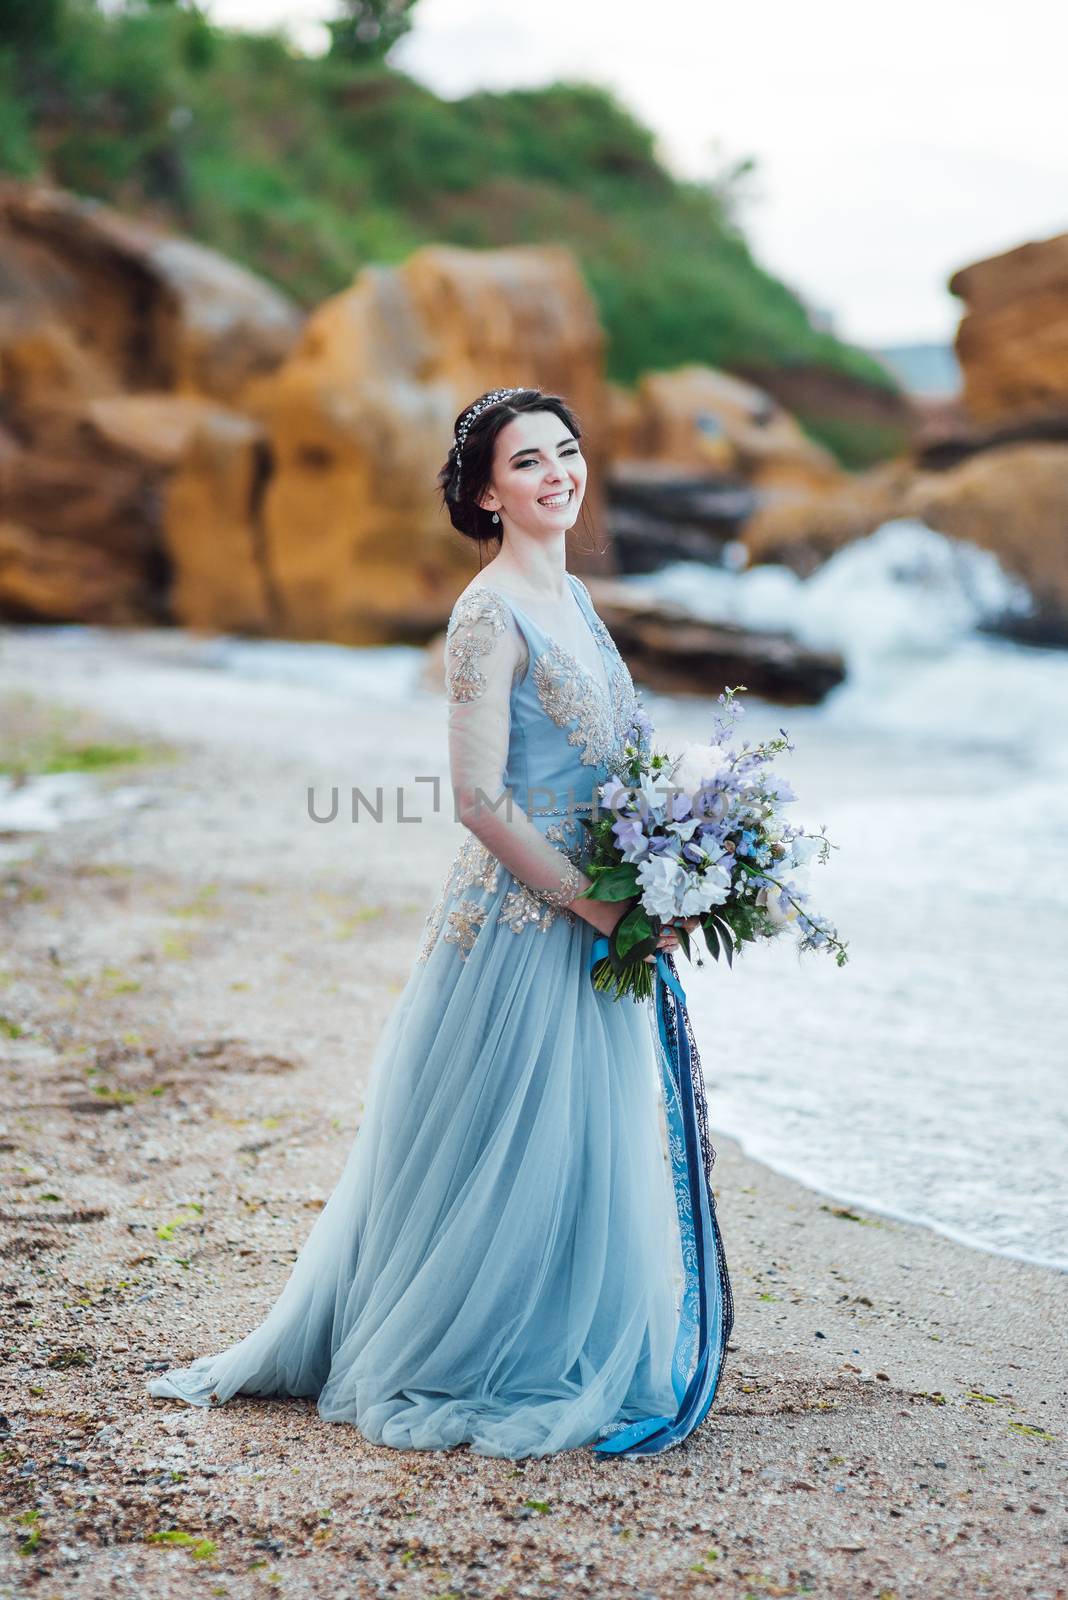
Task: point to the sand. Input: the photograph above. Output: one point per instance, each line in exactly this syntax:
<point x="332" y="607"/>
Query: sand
<point x="199" y="977"/>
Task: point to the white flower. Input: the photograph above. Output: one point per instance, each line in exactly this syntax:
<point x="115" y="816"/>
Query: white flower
<point x="802" y="849"/>
<point x="614" y="795"/>
<point x="662" y="880"/>
<point x="710" y="889"/>
<point x="697" y="764"/>
<point x="768" y="897"/>
<point x="653" y="787"/>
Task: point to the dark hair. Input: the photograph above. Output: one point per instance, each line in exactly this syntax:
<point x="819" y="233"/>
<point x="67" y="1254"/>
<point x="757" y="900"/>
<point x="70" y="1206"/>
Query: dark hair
<point x="462" y="489"/>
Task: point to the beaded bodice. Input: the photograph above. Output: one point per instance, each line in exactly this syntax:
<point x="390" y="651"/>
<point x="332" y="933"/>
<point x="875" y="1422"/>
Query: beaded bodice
<point x="568" y="727"/>
<point x="529" y="720"/>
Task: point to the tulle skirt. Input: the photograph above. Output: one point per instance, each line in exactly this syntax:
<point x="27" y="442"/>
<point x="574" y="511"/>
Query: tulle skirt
<point x="499" y="1263"/>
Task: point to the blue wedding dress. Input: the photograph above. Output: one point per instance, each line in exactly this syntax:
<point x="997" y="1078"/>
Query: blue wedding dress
<point x="506" y="1260"/>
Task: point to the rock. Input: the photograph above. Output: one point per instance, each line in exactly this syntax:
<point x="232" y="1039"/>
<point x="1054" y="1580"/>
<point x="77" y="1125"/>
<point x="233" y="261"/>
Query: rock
<point x="359" y="419"/>
<point x="1012" y="500"/>
<point x="159" y="428"/>
<point x="803" y="532"/>
<point x="701" y="420"/>
<point x="658" y="514"/>
<point x="103" y="321"/>
<point x="55" y="579"/>
<point x="696" y="453"/>
<point x="213" y="528"/>
<point x="1012" y="343"/>
<point x="990" y="465"/>
<point x="672" y="651"/>
<point x="842" y="402"/>
<point x="154" y="309"/>
<point x="675" y="652"/>
<point x="181" y="445"/>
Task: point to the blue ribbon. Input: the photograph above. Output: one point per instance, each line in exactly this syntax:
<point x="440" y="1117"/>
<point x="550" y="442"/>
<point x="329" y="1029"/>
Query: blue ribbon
<point x="706" y="1314"/>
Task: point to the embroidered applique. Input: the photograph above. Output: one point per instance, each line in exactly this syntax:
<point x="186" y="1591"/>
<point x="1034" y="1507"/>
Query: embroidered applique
<point x="471" y="864"/>
<point x="475" y="864"/>
<point x="564" y="833"/>
<point x="464" y="924"/>
<point x="566" y="891"/>
<point x="522" y="909"/>
<point x="465" y="647"/>
<point x="569" y="692"/>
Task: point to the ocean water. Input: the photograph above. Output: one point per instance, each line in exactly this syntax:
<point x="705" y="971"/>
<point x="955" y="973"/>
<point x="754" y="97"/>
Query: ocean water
<point x="926" y="1079"/>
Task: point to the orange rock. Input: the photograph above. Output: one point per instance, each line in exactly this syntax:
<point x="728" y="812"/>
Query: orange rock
<point x="1013" y="500"/>
<point x="102" y="322"/>
<point x="213" y="526"/>
<point x="1012" y="342"/>
<point x="698" y="418"/>
<point x="624" y="423"/>
<point x="157" y="428"/>
<point x="156" y="310"/>
<point x="802" y="530"/>
<point x="359" y="420"/>
<point x="65" y="580"/>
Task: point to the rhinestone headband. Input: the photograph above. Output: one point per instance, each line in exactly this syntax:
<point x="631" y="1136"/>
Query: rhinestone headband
<point x="476" y="411"/>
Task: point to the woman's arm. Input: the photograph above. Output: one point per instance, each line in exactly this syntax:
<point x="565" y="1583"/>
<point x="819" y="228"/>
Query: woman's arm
<point x="484" y="652"/>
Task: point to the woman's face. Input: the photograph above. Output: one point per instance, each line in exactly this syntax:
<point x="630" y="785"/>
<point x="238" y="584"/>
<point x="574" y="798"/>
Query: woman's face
<point x="539" y="473"/>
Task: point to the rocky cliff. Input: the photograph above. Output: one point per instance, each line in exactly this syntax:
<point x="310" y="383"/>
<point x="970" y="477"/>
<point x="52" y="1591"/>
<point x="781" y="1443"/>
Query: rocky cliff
<point x="179" y="443"/>
<point x="1012" y="342"/>
<point x="993" y="468"/>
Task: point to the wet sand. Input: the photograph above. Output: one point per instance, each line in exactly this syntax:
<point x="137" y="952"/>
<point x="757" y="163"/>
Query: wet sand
<point x="191" y="991"/>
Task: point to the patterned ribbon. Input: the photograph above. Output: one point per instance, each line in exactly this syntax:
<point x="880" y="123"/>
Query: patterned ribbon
<point x="707" y="1311"/>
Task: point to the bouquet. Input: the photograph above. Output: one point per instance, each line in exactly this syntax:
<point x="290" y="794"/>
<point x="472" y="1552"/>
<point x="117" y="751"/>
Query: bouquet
<point x="702" y="835"/>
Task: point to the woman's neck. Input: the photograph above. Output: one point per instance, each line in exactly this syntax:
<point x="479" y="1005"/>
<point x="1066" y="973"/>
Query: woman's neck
<point x="539" y="573"/>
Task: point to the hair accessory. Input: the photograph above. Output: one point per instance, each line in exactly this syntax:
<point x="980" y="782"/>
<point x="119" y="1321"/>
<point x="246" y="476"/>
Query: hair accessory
<point x="469" y="416"/>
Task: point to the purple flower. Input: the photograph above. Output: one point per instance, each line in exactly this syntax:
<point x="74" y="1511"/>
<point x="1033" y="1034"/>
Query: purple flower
<point x="632" y="843"/>
<point x="615" y="795"/>
<point x="664" y="844"/>
<point x="642" y="725"/>
<point x="680" y="807"/>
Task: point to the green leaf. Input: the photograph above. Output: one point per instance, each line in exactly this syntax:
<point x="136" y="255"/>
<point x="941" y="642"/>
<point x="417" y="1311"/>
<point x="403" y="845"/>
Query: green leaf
<point x="727" y="941"/>
<point x="684" y="941"/>
<point x="633" y="937"/>
<point x="616" y="883"/>
<point x="711" y="938"/>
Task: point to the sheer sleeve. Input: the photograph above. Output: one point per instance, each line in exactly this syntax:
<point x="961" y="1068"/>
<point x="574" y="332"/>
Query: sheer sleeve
<point x="484" y="654"/>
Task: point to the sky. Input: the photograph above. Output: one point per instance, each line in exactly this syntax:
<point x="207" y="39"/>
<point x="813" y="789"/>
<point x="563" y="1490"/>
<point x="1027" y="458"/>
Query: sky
<point x="892" y="144"/>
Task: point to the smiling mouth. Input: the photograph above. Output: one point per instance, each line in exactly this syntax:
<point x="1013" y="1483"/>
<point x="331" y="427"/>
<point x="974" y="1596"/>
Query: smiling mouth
<point x="554" y="500"/>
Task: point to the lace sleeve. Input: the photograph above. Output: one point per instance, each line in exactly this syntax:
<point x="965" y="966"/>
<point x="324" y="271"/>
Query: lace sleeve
<point x="484" y="654"/>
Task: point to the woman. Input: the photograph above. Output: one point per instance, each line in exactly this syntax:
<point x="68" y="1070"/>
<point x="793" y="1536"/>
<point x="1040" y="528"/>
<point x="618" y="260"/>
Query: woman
<point x="497" y="1265"/>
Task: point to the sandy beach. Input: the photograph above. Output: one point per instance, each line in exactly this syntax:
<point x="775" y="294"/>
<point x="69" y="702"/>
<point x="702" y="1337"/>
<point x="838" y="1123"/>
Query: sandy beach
<point x="192" y="982"/>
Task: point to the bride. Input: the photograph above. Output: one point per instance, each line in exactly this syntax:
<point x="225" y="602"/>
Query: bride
<point x="498" y="1265"/>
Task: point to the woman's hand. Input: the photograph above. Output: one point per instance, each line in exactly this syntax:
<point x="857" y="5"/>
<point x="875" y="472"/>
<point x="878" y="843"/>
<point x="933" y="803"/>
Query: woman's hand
<point x="669" y="939"/>
<point x="604" y="914"/>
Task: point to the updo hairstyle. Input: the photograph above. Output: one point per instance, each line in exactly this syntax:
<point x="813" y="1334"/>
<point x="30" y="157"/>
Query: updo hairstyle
<point x="466" y="475"/>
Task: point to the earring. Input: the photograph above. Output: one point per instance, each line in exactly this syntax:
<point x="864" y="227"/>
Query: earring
<point x="496" y="518"/>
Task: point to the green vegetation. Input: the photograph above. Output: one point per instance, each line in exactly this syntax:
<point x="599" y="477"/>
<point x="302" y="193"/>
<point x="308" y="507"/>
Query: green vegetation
<point x="306" y="169"/>
<point x="58" y="756"/>
<point x="42" y="737"/>
<point x="200" y="1548"/>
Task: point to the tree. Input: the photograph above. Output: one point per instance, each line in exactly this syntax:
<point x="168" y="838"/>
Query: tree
<point x="30" y="25"/>
<point x="367" y="29"/>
